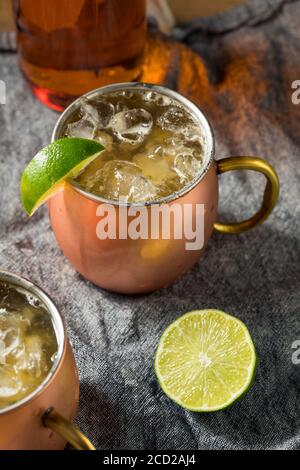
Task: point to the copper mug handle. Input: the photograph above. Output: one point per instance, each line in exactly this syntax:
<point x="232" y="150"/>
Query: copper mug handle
<point x="60" y="425"/>
<point x="270" y="195"/>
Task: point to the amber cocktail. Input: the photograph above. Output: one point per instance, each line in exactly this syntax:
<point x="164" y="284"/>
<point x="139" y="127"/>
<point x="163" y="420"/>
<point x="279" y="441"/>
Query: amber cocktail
<point x="38" y="376"/>
<point x="159" y="154"/>
<point x="68" y="47"/>
<point x="28" y="344"/>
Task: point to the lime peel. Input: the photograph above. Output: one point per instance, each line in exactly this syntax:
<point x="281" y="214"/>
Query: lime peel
<point x="47" y="172"/>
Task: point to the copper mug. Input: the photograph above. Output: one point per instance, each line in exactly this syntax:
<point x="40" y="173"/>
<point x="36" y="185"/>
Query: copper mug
<point x="43" y="419"/>
<point x="140" y="266"/>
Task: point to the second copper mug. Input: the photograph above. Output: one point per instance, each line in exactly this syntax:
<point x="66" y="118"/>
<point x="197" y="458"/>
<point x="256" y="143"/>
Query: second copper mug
<point x="139" y="266"/>
<point x="43" y="419"/>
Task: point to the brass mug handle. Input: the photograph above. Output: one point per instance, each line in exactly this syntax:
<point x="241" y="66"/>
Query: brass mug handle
<point x="270" y="195"/>
<point x="57" y="423"/>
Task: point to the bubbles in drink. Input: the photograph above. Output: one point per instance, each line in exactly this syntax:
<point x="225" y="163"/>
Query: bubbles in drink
<point x="153" y="145"/>
<point x="27" y="344"/>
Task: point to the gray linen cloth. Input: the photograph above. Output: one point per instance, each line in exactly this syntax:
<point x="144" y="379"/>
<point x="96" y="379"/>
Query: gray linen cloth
<point x="252" y="55"/>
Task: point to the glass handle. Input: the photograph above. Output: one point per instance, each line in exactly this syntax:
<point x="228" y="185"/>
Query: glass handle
<point x="57" y="423"/>
<point x="270" y="195"/>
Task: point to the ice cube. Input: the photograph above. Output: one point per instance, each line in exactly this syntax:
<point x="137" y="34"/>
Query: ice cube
<point x="123" y="179"/>
<point x="196" y="150"/>
<point x="12" y="329"/>
<point x="9" y="384"/>
<point x="186" y="166"/>
<point x="131" y="127"/>
<point x="34" y="356"/>
<point x="174" y="118"/>
<point x="157" y="99"/>
<point x="95" y="115"/>
<point x="98" y="112"/>
<point x="2" y="352"/>
<point x="154" y="166"/>
<point x="11" y="340"/>
<point x="121" y="106"/>
<point x="82" y="128"/>
<point x="179" y="144"/>
<point x="11" y="298"/>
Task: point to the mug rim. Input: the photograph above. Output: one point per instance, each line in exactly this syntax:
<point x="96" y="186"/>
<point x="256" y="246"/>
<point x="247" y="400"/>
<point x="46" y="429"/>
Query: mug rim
<point x="188" y="104"/>
<point x="59" y="328"/>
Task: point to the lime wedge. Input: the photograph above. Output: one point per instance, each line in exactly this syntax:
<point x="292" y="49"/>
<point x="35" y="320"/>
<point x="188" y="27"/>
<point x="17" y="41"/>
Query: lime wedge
<point x="45" y="175"/>
<point x="205" y="360"/>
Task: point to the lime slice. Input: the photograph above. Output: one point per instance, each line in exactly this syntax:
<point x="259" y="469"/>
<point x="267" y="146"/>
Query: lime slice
<point x="45" y="175"/>
<point x="205" y="360"/>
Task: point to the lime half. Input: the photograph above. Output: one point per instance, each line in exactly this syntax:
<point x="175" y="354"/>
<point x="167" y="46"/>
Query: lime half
<point x="205" y="360"/>
<point x="46" y="173"/>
